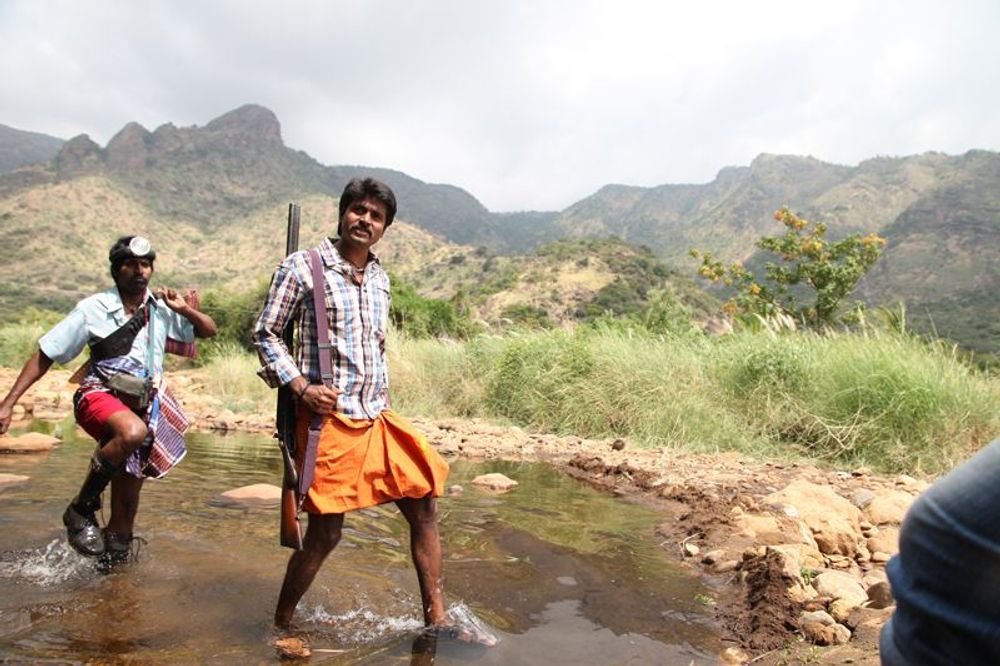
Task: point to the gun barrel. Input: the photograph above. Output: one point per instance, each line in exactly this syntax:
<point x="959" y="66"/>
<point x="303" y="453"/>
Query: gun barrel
<point x="292" y="236"/>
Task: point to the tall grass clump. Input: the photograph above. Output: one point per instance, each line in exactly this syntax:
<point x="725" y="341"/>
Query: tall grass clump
<point x="885" y="400"/>
<point x="230" y="374"/>
<point x="613" y="382"/>
<point x="18" y="342"/>
<point x="888" y="401"/>
<point x="436" y="378"/>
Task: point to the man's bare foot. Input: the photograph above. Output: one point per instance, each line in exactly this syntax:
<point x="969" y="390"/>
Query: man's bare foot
<point x="463" y="633"/>
<point x="462" y="624"/>
<point x="290" y="646"/>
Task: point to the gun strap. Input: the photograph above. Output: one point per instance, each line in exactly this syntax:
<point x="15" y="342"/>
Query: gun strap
<point x="325" y="370"/>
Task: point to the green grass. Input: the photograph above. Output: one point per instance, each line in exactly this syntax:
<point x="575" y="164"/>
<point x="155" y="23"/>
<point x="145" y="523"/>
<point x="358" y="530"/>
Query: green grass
<point x="18" y="342"/>
<point x="886" y="401"/>
<point x="230" y="374"/>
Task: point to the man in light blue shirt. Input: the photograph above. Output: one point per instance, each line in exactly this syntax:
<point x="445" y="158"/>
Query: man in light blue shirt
<point x="127" y="328"/>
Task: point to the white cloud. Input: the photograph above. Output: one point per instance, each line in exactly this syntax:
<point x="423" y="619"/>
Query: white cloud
<point x="524" y="103"/>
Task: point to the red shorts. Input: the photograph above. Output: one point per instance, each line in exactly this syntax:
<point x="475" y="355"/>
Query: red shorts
<point x="94" y="409"/>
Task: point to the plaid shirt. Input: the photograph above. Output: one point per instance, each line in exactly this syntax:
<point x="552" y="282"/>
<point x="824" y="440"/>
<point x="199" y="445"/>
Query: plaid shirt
<point x="358" y="316"/>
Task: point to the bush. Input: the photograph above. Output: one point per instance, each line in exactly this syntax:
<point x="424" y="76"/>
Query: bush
<point x="420" y="317"/>
<point x="825" y="272"/>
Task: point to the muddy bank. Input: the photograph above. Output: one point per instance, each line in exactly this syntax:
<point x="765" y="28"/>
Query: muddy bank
<point x="795" y="555"/>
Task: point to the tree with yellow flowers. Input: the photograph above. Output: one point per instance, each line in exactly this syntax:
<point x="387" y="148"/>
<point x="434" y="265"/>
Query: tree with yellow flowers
<point x="828" y="270"/>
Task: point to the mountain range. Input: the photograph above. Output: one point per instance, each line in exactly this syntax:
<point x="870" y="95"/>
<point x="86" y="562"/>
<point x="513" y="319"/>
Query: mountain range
<point x="213" y="198"/>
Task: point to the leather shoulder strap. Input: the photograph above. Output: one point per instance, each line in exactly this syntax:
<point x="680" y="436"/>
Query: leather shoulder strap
<point x="322" y="317"/>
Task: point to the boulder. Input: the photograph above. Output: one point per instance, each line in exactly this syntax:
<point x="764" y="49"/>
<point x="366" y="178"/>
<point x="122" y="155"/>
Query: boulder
<point x="889" y="507"/>
<point x="257" y="494"/>
<point x="862" y="497"/>
<point x="804" y="555"/>
<point x="840" y="585"/>
<point x="840" y="610"/>
<point x="823" y="634"/>
<point x="880" y="595"/>
<point x="495" y="481"/>
<point x="819" y="616"/>
<point x="833" y="520"/>
<point x="886" y="541"/>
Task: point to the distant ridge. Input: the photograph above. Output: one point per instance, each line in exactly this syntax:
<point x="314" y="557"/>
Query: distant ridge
<point x="223" y="186"/>
<point x="19" y="148"/>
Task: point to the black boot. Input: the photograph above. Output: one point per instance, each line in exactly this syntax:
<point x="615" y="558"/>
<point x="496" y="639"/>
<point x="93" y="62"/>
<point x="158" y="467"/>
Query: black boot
<point x="117" y="550"/>
<point x="82" y="530"/>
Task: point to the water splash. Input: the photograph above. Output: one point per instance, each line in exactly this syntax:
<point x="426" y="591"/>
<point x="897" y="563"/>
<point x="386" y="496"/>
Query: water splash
<point x="55" y="563"/>
<point x="363" y="626"/>
<point x="366" y="627"/>
<point x="464" y="619"/>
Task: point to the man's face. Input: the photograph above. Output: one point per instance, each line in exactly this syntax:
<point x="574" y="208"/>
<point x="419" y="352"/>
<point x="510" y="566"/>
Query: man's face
<point x="133" y="275"/>
<point x="363" y="223"/>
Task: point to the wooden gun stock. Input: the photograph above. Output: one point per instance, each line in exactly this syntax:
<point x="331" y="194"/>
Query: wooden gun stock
<point x="291" y="528"/>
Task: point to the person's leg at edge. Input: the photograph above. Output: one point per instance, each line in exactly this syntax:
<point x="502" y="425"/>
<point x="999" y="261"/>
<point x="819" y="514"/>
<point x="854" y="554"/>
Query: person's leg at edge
<point x="322" y="536"/>
<point x="425" y="546"/>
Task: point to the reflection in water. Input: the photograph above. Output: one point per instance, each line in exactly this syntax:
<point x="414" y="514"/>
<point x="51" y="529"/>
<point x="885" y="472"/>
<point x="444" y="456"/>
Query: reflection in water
<point x="562" y="574"/>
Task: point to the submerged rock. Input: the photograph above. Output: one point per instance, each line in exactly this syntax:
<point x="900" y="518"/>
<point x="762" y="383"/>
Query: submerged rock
<point x="256" y="494"/>
<point x="29" y="442"/>
<point x="495" y="481"/>
<point x="9" y="479"/>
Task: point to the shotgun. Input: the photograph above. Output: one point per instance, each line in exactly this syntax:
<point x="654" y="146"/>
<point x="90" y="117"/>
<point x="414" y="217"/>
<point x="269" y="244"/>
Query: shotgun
<point x="291" y="528"/>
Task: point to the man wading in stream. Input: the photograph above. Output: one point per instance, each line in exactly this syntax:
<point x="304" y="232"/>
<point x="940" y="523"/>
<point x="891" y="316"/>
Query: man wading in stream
<point x="122" y="402"/>
<point x="364" y="454"/>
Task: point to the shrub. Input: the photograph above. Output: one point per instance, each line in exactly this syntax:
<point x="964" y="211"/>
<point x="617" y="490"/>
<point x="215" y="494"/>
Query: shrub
<point x="828" y="270"/>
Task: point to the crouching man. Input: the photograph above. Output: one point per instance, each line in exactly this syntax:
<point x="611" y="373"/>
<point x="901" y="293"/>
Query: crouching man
<point x="122" y="401"/>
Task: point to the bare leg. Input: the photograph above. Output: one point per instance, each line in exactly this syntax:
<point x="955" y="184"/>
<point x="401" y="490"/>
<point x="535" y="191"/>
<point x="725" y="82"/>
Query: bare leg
<point x="124" y="502"/>
<point x="425" y="546"/>
<point x="322" y="536"/>
<point x="125" y="433"/>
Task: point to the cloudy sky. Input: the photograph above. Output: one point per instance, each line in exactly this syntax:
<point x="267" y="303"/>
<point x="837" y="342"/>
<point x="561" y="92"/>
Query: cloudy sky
<point x="527" y="104"/>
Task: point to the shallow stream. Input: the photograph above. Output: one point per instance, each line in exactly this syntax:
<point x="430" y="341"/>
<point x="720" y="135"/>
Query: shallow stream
<point x="561" y="573"/>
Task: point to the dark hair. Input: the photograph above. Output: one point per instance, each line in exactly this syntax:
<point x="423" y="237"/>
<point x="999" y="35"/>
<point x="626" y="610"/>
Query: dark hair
<point x="358" y="189"/>
<point x="122" y="250"/>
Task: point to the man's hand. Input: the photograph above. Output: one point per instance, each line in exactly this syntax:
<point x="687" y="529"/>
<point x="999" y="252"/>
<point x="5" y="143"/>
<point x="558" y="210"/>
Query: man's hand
<point x="319" y="398"/>
<point x="187" y="305"/>
<point x="174" y="300"/>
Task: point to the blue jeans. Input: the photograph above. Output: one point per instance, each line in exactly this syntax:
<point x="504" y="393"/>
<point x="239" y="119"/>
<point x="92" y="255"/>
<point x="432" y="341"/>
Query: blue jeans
<point x="946" y="577"/>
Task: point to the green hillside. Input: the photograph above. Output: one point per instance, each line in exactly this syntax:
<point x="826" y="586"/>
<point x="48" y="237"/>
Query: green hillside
<point x="213" y="198"/>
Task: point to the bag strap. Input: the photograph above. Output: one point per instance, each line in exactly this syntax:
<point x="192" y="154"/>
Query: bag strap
<point x="119" y="342"/>
<point x="325" y="371"/>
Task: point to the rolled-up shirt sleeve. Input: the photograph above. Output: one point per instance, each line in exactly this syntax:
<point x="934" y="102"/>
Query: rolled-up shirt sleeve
<point x="66" y="340"/>
<point x="283" y="300"/>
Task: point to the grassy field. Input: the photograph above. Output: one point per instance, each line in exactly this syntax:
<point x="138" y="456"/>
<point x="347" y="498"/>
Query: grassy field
<point x="887" y="401"/>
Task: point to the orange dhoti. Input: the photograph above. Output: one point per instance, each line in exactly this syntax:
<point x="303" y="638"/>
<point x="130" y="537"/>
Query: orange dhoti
<point x="361" y="463"/>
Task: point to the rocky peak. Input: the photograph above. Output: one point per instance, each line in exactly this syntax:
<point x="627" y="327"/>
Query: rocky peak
<point x="731" y="174"/>
<point x="248" y="124"/>
<point x="78" y="156"/>
<point x="129" y="149"/>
